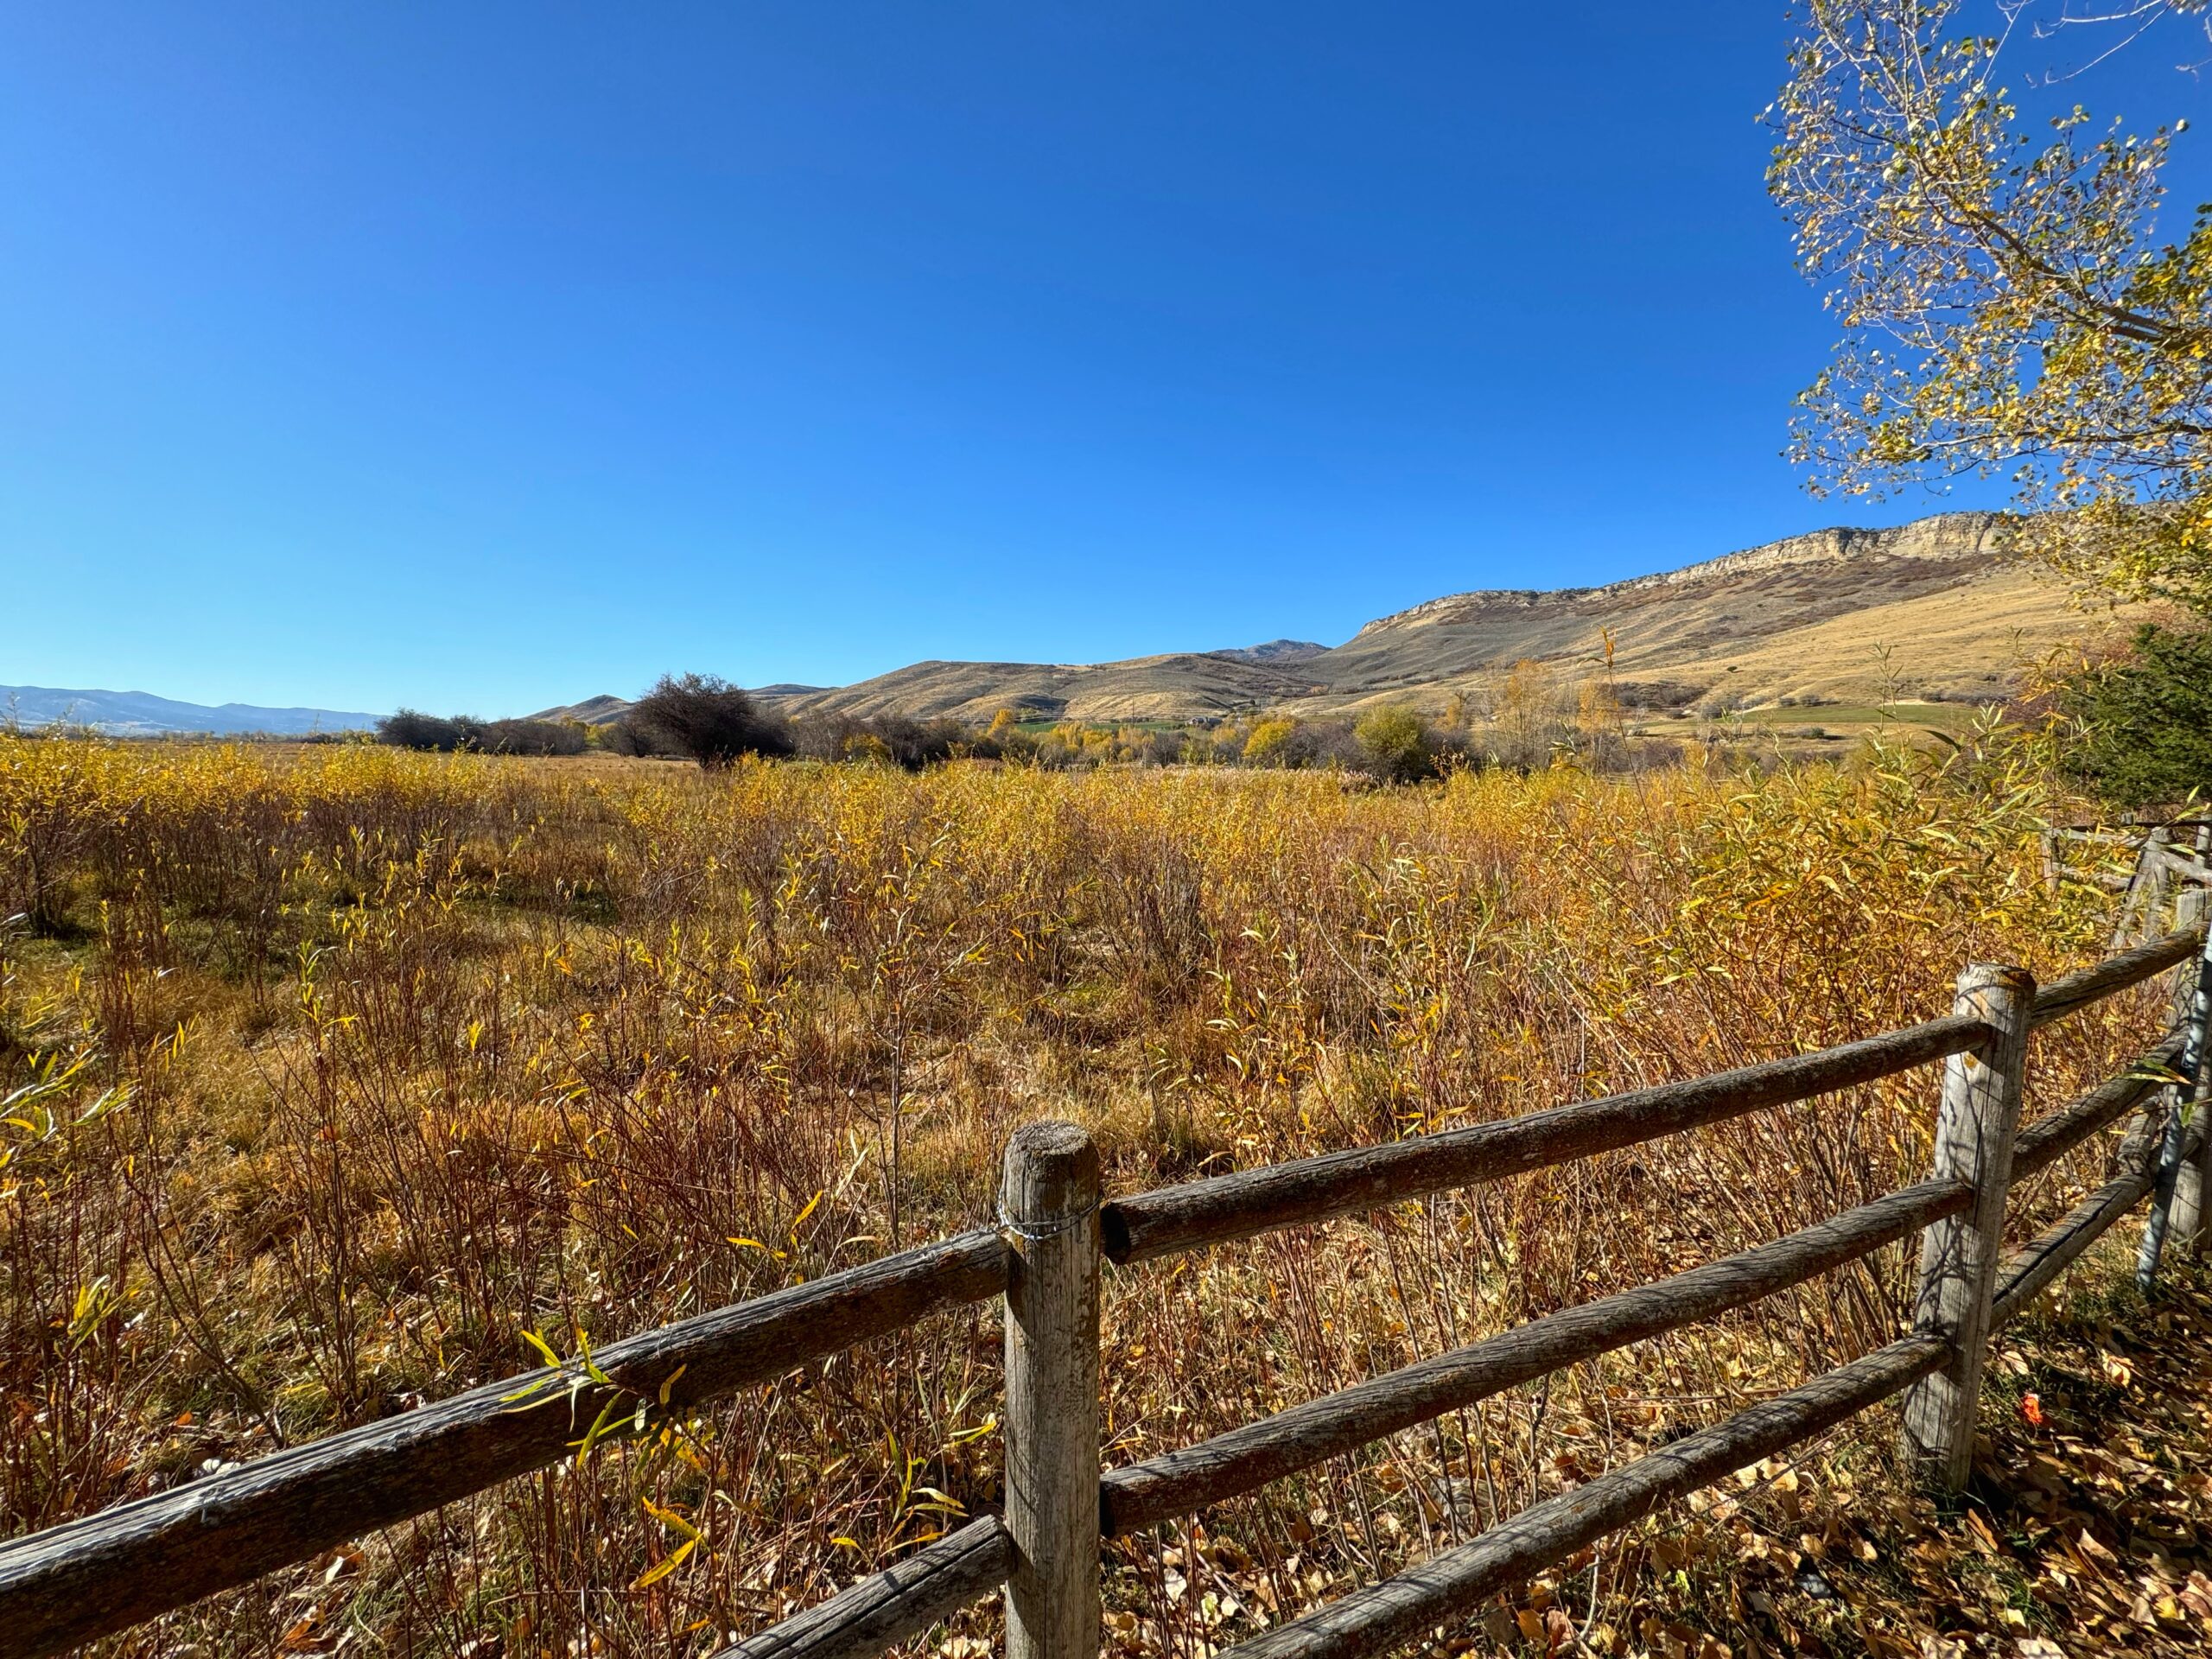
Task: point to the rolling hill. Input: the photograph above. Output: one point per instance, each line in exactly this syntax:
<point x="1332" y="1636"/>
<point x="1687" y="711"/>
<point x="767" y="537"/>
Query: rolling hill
<point x="1932" y="610"/>
<point x="1935" y="609"/>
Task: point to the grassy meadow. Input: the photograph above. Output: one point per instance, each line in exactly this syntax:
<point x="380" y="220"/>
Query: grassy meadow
<point x="336" y="1075"/>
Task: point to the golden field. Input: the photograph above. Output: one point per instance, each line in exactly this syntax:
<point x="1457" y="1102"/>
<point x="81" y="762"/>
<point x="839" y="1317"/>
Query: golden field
<point x="336" y="1076"/>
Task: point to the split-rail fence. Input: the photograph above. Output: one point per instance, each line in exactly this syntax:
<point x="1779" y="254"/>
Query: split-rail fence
<point x="72" y="1583"/>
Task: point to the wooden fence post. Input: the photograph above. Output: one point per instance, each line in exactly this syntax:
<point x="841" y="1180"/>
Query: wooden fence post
<point x="2192" y="1210"/>
<point x="2147" y="892"/>
<point x="2178" y="1200"/>
<point x="1050" y="1204"/>
<point x="1975" y="1128"/>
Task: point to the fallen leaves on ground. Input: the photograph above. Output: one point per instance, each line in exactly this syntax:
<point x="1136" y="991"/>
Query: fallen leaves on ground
<point x="2087" y="1530"/>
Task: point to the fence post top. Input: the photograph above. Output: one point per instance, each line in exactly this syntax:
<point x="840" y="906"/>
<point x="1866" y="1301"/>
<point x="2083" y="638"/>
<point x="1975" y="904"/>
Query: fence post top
<point x="1996" y="975"/>
<point x="1052" y="1165"/>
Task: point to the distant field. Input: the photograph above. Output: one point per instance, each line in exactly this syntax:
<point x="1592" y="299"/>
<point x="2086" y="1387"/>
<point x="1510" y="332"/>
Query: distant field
<point x="1038" y="727"/>
<point x="1936" y="716"/>
<point x="1951" y="718"/>
<point x="1833" y="722"/>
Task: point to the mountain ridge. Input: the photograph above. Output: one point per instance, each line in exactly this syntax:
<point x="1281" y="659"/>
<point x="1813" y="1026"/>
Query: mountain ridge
<point x="143" y="713"/>
<point x="1934" y="608"/>
<point x="1938" y="537"/>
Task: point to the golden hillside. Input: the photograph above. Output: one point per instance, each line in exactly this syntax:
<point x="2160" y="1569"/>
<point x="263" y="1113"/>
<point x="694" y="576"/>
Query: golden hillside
<point x="1932" y="609"/>
<point x="1935" y="610"/>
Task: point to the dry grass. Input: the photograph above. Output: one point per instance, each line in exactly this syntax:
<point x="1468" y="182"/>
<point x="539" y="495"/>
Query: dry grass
<point x="345" y="1067"/>
<point x="1978" y="640"/>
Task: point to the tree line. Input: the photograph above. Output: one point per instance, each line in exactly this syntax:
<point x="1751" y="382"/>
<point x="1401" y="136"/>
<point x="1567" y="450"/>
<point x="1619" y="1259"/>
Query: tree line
<point x="693" y="717"/>
<point x="1530" y="720"/>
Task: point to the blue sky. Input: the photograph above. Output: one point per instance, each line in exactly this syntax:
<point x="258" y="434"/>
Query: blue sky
<point x="487" y="356"/>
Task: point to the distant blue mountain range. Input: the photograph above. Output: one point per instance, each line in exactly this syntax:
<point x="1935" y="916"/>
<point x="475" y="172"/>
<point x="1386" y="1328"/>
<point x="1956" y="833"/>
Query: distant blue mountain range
<point x="140" y="713"/>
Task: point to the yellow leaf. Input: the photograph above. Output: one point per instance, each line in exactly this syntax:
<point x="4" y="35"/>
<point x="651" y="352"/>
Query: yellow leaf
<point x="669" y="1518"/>
<point x="654" y="1575"/>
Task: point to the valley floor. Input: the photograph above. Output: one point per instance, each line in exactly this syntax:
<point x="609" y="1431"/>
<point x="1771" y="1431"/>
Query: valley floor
<point x="338" y="1078"/>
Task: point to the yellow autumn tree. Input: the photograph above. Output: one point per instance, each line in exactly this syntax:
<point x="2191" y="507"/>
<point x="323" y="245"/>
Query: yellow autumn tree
<point x="1269" y="739"/>
<point x="2006" y="304"/>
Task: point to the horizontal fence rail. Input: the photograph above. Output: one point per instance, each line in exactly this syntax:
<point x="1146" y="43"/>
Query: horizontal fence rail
<point x="933" y="1583"/>
<point x="2044" y="1143"/>
<point x="2076" y="991"/>
<point x="2032" y="1271"/>
<point x="1178" y="1483"/>
<point x="85" y="1579"/>
<point x="1402" y="1609"/>
<point x="1227" y="1207"/>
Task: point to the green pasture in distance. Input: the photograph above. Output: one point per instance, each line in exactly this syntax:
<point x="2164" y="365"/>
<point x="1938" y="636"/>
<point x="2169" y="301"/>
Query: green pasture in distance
<point x="1038" y="727"/>
<point x="1941" y="716"/>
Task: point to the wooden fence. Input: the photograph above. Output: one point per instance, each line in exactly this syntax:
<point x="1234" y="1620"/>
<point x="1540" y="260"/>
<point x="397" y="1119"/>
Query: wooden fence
<point x="2157" y="859"/>
<point x="85" y="1579"/>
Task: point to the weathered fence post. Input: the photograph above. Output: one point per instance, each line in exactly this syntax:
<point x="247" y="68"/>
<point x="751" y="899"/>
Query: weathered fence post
<point x="2177" y="1202"/>
<point x="1975" y="1128"/>
<point x="2192" y="1211"/>
<point x="1050" y="1204"/>
<point x="2147" y="892"/>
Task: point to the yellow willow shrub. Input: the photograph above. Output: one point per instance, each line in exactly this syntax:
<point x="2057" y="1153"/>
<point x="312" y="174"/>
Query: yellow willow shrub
<point x="352" y="1066"/>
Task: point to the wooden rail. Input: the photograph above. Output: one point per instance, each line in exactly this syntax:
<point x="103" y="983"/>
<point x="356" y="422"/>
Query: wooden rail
<point x="2076" y="991"/>
<point x="1400" y="1609"/>
<point x="1174" y="1218"/>
<point x="936" y="1581"/>
<point x="2034" y="1268"/>
<point x="85" y="1579"/>
<point x="1245" y="1458"/>
<point x="2044" y="1143"/>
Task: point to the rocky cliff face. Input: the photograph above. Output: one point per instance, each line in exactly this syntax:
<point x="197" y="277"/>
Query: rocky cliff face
<point x="1965" y="540"/>
<point x="1841" y="613"/>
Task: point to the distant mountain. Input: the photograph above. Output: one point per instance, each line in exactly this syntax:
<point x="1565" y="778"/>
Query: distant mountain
<point x="1275" y="650"/>
<point x="1932" y="609"/>
<point x="602" y="710"/>
<point x="1030" y="688"/>
<point x="140" y="713"/>
<point x="1144" y="687"/>
<point x="1935" y="608"/>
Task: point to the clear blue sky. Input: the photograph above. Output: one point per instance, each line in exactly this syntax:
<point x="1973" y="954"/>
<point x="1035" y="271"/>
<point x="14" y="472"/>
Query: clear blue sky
<point x="483" y="356"/>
